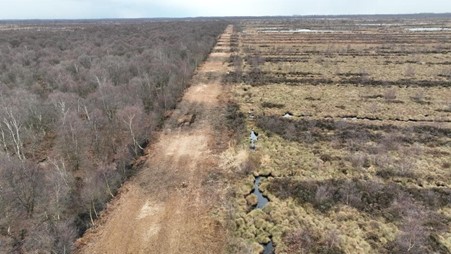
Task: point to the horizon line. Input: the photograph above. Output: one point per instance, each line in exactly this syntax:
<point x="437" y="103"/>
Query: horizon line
<point x="239" y="16"/>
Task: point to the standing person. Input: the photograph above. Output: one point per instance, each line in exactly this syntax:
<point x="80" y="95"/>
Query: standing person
<point x="254" y="137"/>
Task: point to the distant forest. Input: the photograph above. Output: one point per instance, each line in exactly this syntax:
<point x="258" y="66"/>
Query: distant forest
<point x="78" y="102"/>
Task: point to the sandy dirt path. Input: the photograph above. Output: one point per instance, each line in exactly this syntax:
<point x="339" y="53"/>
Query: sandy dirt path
<point x="168" y="206"/>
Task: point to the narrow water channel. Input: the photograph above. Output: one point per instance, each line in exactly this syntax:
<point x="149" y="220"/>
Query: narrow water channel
<point x="268" y="248"/>
<point x="261" y="202"/>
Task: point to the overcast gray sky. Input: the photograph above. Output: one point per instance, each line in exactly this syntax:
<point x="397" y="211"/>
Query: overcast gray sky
<point x="81" y="9"/>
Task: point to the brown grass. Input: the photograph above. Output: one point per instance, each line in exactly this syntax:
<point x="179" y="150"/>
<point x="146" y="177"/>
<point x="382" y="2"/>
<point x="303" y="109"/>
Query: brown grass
<point x="367" y="149"/>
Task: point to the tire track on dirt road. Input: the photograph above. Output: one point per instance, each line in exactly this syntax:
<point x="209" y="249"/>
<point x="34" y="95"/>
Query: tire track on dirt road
<point x="165" y="207"/>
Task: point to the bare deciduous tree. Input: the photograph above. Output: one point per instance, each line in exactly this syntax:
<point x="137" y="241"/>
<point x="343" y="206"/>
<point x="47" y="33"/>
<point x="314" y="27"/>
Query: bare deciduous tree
<point x="130" y="116"/>
<point x="14" y="129"/>
<point x="23" y="183"/>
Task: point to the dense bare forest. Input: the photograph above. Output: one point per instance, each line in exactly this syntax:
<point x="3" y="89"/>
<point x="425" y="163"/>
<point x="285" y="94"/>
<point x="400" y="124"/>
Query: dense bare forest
<point x="78" y="102"/>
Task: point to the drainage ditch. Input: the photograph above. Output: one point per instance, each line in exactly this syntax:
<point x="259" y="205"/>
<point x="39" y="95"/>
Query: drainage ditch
<point x="262" y="201"/>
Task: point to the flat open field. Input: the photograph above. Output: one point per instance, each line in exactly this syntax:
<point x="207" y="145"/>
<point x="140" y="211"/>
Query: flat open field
<point x="362" y="161"/>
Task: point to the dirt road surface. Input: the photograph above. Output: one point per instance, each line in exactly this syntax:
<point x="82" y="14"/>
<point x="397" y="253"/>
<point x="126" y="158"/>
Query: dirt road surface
<point x="168" y="207"/>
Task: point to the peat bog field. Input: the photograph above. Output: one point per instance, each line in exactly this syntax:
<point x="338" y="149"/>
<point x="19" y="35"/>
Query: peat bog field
<point x="354" y="117"/>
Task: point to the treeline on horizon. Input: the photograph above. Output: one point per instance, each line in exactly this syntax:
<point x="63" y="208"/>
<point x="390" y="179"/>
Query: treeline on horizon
<point x="72" y="22"/>
<point x="78" y="102"/>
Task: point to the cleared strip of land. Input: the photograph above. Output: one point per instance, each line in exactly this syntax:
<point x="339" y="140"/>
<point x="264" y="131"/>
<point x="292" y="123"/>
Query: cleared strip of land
<point x="167" y="207"/>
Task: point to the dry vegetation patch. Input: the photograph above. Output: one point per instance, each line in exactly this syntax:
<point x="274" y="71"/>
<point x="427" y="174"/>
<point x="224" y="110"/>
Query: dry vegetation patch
<point x="362" y="162"/>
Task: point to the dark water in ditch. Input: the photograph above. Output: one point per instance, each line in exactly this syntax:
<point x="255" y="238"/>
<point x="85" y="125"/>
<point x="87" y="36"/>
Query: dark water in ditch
<point x="269" y="248"/>
<point x="261" y="202"/>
